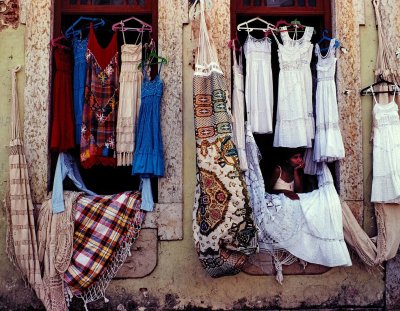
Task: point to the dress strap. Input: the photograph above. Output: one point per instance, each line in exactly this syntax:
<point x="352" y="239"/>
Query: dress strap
<point x="123" y="36"/>
<point x="276" y="39"/>
<point x="373" y="94"/>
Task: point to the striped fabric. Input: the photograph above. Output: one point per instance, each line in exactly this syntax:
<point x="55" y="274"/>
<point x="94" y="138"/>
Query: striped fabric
<point x="102" y="224"/>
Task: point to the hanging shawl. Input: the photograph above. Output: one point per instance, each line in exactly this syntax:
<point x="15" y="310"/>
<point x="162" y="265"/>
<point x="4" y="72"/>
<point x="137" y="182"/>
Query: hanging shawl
<point x="223" y="227"/>
<point x="21" y="236"/>
<point x="387" y="64"/>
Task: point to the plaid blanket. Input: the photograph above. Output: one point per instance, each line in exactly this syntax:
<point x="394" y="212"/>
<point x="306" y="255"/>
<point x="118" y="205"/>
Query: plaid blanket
<point x="102" y="224"/>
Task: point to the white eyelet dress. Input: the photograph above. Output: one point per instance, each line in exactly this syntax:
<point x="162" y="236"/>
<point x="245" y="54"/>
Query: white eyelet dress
<point x="328" y="144"/>
<point x="259" y="89"/>
<point x="386" y="153"/>
<point x="294" y="120"/>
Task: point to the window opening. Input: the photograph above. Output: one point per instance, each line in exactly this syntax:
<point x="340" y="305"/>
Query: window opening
<point x="104" y="179"/>
<point x="311" y="13"/>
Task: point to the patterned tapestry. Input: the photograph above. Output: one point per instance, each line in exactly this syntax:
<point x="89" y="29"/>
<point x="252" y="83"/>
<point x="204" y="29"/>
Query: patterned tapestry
<point x="223" y="226"/>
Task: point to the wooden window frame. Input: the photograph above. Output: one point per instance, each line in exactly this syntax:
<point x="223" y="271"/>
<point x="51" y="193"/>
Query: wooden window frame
<point x="322" y="9"/>
<point x="63" y="7"/>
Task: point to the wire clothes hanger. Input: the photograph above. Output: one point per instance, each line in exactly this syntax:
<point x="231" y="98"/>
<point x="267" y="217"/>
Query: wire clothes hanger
<point x="120" y="26"/>
<point x="73" y="32"/>
<point x="369" y="90"/>
<point x="245" y="25"/>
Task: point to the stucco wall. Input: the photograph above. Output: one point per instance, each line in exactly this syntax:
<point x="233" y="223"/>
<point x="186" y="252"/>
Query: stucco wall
<point x="178" y="280"/>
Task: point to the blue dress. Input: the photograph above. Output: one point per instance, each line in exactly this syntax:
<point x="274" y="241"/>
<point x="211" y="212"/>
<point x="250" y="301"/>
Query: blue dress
<point x="79" y="48"/>
<point x="148" y="158"/>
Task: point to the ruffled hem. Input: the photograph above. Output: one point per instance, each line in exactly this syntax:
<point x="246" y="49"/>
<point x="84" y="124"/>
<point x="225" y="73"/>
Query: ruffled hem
<point x="293" y="133"/>
<point x="148" y="164"/>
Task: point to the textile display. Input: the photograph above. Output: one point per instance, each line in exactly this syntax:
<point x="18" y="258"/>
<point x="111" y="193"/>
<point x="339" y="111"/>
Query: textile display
<point x="62" y="119"/>
<point x="99" y="117"/>
<point x="223" y="227"/>
<point x="295" y="118"/>
<point x="102" y="224"/>
<point x="328" y="145"/>
<point x="130" y="81"/>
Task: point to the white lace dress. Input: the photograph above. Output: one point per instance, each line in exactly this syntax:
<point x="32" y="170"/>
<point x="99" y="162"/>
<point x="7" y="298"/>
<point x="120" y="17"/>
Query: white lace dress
<point x="386" y="153"/>
<point x="294" y="120"/>
<point x="328" y="145"/>
<point x="259" y="89"/>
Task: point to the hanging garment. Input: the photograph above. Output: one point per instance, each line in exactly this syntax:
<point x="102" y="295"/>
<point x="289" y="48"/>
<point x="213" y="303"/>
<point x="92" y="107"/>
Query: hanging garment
<point x="238" y="111"/>
<point x="66" y="166"/>
<point x="328" y="144"/>
<point x="62" y="119"/>
<point x="294" y="120"/>
<point x="386" y="153"/>
<point x="259" y="89"/>
<point x="79" y="48"/>
<point x="130" y="81"/>
<point x="148" y="160"/>
<point x="102" y="225"/>
<point x="101" y="103"/>
<point x="223" y="227"/>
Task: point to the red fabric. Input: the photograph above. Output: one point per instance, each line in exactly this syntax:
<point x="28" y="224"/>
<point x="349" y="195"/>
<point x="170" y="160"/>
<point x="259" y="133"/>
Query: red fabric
<point x="62" y="127"/>
<point x="99" y="116"/>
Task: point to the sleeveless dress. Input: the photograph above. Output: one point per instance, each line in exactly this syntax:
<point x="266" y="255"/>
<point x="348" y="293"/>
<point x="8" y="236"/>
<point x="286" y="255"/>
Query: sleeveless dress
<point x="294" y="120"/>
<point x="238" y="130"/>
<point x="328" y="144"/>
<point x="101" y="102"/>
<point x="62" y="126"/>
<point x="386" y="153"/>
<point x="129" y="102"/>
<point x="79" y="48"/>
<point x="259" y="88"/>
<point x="148" y="159"/>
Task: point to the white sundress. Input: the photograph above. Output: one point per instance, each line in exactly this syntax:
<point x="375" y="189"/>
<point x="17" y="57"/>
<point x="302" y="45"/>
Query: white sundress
<point x="238" y="129"/>
<point x="294" y="120"/>
<point x="386" y="153"/>
<point x="259" y="88"/>
<point x="328" y="144"/>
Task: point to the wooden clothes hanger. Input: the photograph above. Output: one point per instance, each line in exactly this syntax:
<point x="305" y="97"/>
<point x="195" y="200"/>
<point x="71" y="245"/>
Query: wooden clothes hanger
<point x="120" y="26"/>
<point x="392" y="87"/>
<point x="72" y="32"/>
<point x="245" y="25"/>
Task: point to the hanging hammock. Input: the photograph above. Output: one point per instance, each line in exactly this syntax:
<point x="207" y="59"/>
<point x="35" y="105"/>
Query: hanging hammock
<point x="21" y="235"/>
<point x="223" y="226"/>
